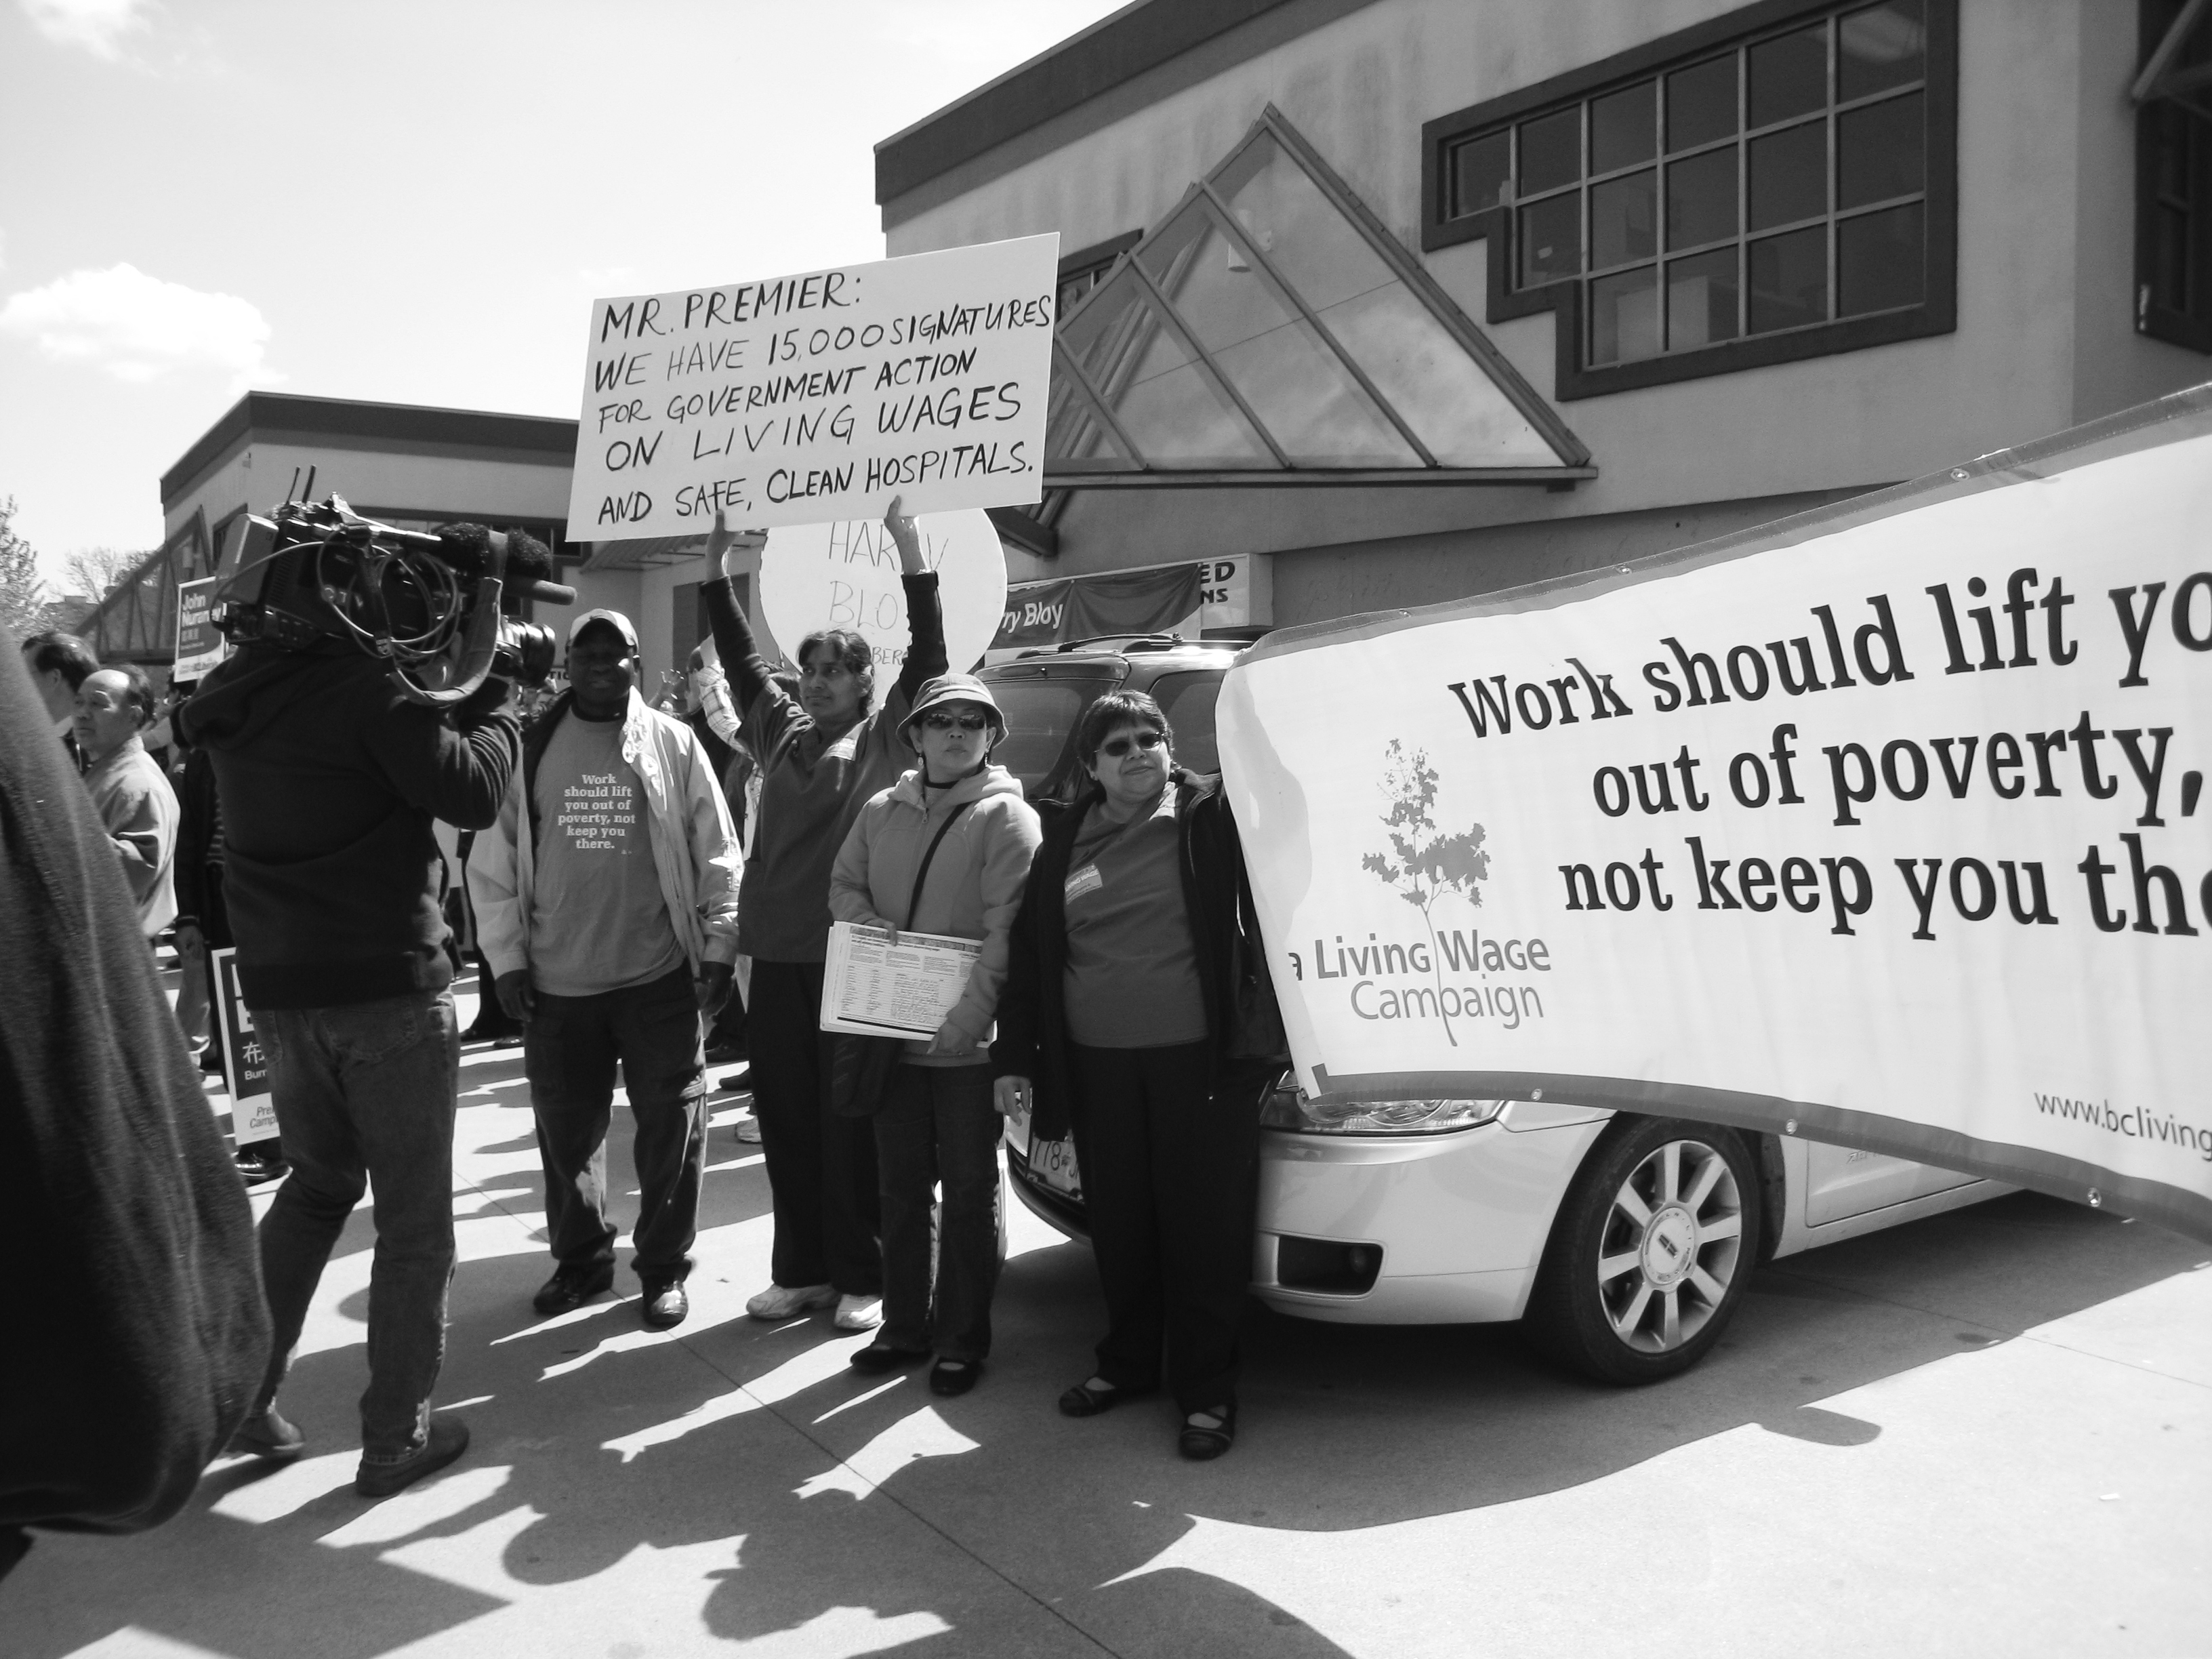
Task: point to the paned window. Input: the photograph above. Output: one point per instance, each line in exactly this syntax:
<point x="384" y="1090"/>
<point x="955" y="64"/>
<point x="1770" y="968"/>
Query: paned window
<point x="1734" y="202"/>
<point x="2173" y="183"/>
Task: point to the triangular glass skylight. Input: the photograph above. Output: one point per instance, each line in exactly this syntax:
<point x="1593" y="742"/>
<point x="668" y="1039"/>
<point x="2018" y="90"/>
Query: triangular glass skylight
<point x="1269" y="326"/>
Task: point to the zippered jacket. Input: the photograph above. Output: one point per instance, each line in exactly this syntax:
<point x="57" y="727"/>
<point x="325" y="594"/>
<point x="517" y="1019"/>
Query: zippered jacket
<point x="695" y="850"/>
<point x="974" y="889"/>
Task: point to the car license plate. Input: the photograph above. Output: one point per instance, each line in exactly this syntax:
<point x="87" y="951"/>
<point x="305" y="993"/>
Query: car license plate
<point x="1052" y="1162"/>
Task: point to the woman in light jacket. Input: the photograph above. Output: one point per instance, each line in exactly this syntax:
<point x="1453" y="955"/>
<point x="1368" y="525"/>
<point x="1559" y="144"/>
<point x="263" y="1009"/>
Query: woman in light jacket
<point x="1135" y="978"/>
<point x="936" y="1124"/>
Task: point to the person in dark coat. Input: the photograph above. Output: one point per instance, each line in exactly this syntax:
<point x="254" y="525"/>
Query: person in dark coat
<point x="821" y="756"/>
<point x="1135" y="963"/>
<point x="136" y="1332"/>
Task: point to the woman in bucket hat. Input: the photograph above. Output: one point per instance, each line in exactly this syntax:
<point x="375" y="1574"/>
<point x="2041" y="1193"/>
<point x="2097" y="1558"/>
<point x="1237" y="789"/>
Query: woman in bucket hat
<point x="945" y="850"/>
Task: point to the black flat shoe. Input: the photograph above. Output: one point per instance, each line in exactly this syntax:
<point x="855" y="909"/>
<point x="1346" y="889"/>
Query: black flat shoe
<point x="878" y="1358"/>
<point x="1202" y="1444"/>
<point x="1091" y="1397"/>
<point x="954" y="1377"/>
<point x="664" y="1306"/>
<point x="570" y="1288"/>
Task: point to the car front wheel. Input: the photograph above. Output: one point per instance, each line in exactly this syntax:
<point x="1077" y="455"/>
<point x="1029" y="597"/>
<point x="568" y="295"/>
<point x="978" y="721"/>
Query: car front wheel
<point x="1650" y="1252"/>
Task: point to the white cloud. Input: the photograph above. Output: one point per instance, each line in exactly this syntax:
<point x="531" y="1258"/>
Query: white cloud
<point x="98" y="25"/>
<point x="138" y="327"/>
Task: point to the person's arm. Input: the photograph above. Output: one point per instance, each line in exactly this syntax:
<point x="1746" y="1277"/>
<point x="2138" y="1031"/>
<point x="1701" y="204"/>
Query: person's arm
<point x="1013" y="1055"/>
<point x="137" y="825"/>
<point x="494" y="890"/>
<point x="925" y="615"/>
<point x="457" y="771"/>
<point x="733" y="636"/>
<point x="714" y="841"/>
<point x="1012" y="834"/>
<point x="851" y="899"/>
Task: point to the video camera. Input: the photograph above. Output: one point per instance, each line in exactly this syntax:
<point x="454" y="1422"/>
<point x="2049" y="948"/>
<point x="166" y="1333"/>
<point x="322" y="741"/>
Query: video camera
<point x="317" y="571"/>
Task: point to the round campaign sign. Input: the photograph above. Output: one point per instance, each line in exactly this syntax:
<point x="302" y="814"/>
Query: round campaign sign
<point x="846" y="574"/>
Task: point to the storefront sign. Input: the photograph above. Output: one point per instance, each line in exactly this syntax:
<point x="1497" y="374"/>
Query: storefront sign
<point x="245" y="1063"/>
<point x="1884" y="826"/>
<point x="847" y="575"/>
<point x="199" y="647"/>
<point x="808" y="399"/>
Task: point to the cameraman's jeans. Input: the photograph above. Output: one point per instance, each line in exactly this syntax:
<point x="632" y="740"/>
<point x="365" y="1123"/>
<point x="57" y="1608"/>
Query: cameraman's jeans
<point x="366" y="1093"/>
<point x="570" y="1049"/>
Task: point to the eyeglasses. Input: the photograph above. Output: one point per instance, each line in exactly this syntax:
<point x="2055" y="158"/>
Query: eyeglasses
<point x="940" y="721"/>
<point x="1118" y="747"/>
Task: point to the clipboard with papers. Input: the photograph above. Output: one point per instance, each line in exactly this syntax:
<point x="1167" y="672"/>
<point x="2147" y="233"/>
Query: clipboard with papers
<point x="875" y="987"/>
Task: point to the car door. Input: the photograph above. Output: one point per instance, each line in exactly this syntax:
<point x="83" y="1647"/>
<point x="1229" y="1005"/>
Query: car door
<point x="1842" y="1181"/>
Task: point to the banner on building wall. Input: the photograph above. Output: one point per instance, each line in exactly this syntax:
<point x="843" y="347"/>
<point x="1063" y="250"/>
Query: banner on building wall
<point x="1160" y="601"/>
<point x="819" y="396"/>
<point x="1884" y="826"/>
<point x="245" y="1062"/>
<point x="200" y="648"/>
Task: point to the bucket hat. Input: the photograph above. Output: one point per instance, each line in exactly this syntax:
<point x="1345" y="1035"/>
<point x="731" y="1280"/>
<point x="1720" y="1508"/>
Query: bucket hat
<point x="951" y="688"/>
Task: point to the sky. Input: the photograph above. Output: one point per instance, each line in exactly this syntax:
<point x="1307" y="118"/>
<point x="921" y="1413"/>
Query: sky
<point x="408" y="201"/>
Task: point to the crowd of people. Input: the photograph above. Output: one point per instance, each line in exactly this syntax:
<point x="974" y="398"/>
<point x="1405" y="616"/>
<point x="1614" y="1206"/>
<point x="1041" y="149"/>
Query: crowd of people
<point x="650" y="890"/>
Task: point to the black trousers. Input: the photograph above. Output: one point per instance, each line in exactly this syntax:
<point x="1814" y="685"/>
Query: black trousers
<point x="569" y="1050"/>
<point x="937" y="1132"/>
<point x="1171" y="1172"/>
<point x="821" y="1167"/>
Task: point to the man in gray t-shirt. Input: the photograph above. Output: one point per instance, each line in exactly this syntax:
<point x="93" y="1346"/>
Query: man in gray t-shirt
<point x="606" y="903"/>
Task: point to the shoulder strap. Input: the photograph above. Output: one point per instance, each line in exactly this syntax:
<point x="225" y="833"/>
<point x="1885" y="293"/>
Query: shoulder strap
<point x="914" y="899"/>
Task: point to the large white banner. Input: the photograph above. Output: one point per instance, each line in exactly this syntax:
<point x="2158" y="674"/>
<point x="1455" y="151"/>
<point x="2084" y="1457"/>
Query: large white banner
<point x="819" y="396"/>
<point x="1883" y="826"/>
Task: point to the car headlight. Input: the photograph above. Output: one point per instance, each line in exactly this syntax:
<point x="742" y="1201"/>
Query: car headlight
<point x="1290" y="1109"/>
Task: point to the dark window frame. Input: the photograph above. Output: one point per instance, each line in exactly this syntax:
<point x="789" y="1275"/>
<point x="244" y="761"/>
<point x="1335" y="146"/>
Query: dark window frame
<point x="2190" y="325"/>
<point x="1936" y="314"/>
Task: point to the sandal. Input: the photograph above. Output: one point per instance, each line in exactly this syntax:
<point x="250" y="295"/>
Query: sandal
<point x="1094" y="1395"/>
<point x="1207" y="1434"/>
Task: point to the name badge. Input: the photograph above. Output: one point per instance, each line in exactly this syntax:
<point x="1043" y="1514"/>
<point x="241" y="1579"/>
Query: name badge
<point x="1085" y="880"/>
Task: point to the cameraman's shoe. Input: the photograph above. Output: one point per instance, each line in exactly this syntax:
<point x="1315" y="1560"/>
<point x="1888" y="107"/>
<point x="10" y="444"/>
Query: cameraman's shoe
<point x="267" y="1434"/>
<point x="447" y="1439"/>
<point x="570" y="1288"/>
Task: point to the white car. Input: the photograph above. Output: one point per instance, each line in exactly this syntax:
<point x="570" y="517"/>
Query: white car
<point x="1625" y="1242"/>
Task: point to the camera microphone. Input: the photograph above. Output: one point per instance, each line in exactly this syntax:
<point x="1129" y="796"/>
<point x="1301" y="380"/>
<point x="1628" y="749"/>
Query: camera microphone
<point x="468" y="547"/>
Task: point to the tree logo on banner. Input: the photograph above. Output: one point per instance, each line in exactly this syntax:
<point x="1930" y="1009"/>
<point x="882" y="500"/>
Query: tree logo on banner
<point x="1429" y="863"/>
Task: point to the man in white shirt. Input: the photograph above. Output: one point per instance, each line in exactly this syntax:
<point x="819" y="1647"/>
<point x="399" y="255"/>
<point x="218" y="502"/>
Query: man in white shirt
<point x="607" y="900"/>
<point x="133" y="799"/>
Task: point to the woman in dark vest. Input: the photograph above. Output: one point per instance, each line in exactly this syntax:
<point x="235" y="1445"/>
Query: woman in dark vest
<point x="1131" y="961"/>
<point x="823" y="755"/>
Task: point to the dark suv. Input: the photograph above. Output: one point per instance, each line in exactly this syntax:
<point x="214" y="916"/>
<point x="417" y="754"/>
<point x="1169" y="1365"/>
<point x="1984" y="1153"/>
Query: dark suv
<point x="1043" y="693"/>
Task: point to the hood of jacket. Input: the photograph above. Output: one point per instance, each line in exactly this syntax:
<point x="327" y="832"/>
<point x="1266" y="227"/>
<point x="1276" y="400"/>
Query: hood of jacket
<point x="991" y="779"/>
<point x="236" y="702"/>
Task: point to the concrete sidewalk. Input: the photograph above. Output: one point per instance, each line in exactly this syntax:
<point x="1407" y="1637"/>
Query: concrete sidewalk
<point x="1987" y="1433"/>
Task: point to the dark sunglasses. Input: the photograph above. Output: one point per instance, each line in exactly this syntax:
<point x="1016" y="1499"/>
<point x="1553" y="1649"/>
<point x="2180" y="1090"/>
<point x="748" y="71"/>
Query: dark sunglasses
<point x="1118" y="747"/>
<point x="937" y="720"/>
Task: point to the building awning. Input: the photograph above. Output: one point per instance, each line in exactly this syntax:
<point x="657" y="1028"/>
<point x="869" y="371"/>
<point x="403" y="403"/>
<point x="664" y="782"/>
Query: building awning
<point x="1270" y="331"/>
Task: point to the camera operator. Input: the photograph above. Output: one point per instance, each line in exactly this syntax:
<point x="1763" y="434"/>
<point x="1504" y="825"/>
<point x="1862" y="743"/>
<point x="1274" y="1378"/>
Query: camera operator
<point x="330" y="778"/>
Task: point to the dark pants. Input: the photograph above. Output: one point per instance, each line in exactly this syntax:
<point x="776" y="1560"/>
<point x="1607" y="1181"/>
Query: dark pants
<point x="364" y="1094"/>
<point x="1169" y="1177"/>
<point x="936" y="1128"/>
<point x="570" y="1049"/>
<point x="821" y="1167"/>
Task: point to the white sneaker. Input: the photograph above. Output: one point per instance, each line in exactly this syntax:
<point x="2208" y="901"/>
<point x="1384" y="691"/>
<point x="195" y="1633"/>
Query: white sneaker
<point x="860" y="1313"/>
<point x="789" y="1301"/>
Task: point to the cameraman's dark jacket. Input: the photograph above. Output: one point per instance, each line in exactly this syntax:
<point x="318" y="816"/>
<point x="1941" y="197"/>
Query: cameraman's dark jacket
<point x="330" y="779"/>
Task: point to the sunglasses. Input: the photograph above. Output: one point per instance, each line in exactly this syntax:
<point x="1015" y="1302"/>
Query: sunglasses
<point x="944" y="722"/>
<point x="1118" y="747"/>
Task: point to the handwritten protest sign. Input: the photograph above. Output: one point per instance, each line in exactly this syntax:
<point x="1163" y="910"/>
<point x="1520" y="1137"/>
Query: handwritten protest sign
<point x="1883" y="826"/>
<point x="807" y="398"/>
<point x="200" y="648"/>
<point x="847" y="575"/>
